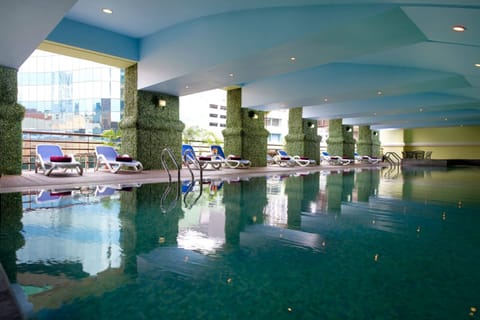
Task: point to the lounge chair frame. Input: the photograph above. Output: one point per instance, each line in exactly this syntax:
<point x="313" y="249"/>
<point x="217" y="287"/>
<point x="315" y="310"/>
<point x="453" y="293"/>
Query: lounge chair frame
<point x="229" y="161"/>
<point x="106" y="156"/>
<point x="202" y="161"/>
<point x="334" y="160"/>
<point x="284" y="159"/>
<point x="43" y="162"/>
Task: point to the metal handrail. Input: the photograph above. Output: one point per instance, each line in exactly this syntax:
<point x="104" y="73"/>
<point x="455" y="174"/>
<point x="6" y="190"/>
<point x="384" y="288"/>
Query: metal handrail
<point x="163" y="161"/>
<point x="396" y="158"/>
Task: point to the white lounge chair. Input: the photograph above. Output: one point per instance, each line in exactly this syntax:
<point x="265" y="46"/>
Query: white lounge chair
<point x="231" y="161"/>
<point x="284" y="158"/>
<point x="51" y="157"/>
<point x="108" y="157"/>
<point x="366" y="159"/>
<point x="334" y="160"/>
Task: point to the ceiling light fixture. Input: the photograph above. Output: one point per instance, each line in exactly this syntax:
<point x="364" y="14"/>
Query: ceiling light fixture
<point x="231" y="75"/>
<point x="293" y="58"/>
<point x="477" y="65"/>
<point x="107" y="11"/>
<point x="459" y="28"/>
<point x="379" y="93"/>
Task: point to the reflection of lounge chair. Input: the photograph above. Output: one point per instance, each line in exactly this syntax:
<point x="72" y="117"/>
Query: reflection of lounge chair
<point x="334" y="159"/>
<point x="108" y="157"/>
<point x="231" y="161"/>
<point x="189" y="157"/>
<point x="51" y="157"/>
<point x="366" y="159"/>
<point x="52" y="195"/>
<point x="284" y="158"/>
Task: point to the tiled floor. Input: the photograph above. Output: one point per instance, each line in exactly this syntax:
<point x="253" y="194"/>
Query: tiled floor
<point x="30" y="180"/>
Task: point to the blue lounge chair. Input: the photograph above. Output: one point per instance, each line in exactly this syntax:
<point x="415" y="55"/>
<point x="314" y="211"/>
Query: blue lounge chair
<point x="189" y="157"/>
<point x="51" y="157"/>
<point x="107" y="156"/>
<point x="231" y="161"/>
<point x="334" y="160"/>
<point x="284" y="157"/>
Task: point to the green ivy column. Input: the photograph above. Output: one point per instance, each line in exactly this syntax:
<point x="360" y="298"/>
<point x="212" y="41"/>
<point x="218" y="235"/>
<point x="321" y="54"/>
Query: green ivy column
<point x="340" y="141"/>
<point x="148" y="128"/>
<point x="376" y="144"/>
<point x="245" y="134"/>
<point x="11" y="116"/>
<point x="364" y="144"/>
<point x="302" y="138"/>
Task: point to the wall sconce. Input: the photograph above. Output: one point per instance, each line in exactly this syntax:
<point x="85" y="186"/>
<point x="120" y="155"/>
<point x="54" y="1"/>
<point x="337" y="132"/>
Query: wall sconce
<point x="375" y="133"/>
<point x="311" y="125"/>
<point x="252" y="114"/>
<point x="159" y="102"/>
<point x="348" y="129"/>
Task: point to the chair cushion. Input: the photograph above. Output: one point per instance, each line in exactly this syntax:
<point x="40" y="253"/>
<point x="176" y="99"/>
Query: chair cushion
<point x="285" y="158"/>
<point x="60" y="159"/>
<point x="124" y="159"/>
<point x="304" y="158"/>
<point x="205" y="158"/>
<point x="235" y="158"/>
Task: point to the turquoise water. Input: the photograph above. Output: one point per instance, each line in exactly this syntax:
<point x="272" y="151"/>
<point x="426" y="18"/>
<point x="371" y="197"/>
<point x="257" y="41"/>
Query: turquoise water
<point x="343" y="245"/>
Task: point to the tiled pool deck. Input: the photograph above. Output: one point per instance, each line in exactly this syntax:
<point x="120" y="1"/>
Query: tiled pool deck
<point x="30" y="180"/>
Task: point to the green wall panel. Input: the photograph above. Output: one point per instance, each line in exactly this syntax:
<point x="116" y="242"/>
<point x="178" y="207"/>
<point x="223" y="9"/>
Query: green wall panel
<point x="11" y="116"/>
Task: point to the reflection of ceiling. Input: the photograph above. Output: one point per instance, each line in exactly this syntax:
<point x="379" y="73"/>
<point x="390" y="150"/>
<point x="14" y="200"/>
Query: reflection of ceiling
<point x="386" y="63"/>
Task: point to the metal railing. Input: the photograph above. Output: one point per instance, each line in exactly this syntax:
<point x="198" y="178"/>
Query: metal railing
<point x="81" y="145"/>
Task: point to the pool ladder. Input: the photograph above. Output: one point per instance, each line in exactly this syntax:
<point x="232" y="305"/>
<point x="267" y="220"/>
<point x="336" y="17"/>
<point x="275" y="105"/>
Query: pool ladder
<point x="167" y="152"/>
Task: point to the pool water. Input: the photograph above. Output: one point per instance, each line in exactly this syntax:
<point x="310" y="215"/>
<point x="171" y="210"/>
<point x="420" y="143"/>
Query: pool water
<point x="371" y="244"/>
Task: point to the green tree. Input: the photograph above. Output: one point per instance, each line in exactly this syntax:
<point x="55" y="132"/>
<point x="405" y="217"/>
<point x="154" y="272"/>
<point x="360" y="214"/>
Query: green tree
<point x="196" y="133"/>
<point x="113" y="138"/>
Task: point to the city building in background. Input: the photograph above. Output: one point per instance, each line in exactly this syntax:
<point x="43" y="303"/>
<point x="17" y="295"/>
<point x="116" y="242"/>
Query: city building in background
<point x="206" y="110"/>
<point x="67" y="94"/>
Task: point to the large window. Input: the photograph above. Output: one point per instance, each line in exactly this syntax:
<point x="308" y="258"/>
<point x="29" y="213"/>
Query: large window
<point x="69" y="94"/>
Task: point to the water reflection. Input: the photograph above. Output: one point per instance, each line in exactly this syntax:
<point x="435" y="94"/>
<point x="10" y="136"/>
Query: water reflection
<point x="93" y="240"/>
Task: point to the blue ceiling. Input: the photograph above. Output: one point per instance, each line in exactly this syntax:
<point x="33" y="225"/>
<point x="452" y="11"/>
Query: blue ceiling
<point x="388" y="64"/>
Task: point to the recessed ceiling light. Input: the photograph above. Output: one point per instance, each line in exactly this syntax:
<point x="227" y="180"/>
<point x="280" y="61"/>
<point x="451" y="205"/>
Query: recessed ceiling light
<point x="325" y="100"/>
<point x="231" y="75"/>
<point x="379" y="93"/>
<point x="477" y="65"/>
<point x="293" y="58"/>
<point x="421" y="109"/>
<point x="459" y="28"/>
<point x="445" y="119"/>
<point x="107" y="11"/>
<point x="187" y="87"/>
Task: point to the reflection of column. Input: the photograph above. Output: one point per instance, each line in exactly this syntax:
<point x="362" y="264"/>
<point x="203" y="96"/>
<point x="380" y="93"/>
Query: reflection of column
<point x="300" y="192"/>
<point x="367" y="183"/>
<point x="334" y="192"/>
<point x="244" y="204"/>
<point x="348" y="185"/>
<point x="144" y="225"/>
<point x="11" y="238"/>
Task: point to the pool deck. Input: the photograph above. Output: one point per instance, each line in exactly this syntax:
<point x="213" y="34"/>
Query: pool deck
<point x="30" y="180"/>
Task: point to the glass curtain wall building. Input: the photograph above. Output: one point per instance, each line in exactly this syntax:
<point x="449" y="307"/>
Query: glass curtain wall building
<point x="67" y="94"/>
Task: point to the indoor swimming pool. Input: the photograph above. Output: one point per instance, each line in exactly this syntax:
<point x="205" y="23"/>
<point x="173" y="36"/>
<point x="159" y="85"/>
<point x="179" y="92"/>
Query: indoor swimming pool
<point x="356" y="244"/>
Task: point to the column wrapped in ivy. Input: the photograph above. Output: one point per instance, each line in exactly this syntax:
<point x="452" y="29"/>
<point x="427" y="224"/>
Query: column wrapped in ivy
<point x="340" y="141"/>
<point x="376" y="144"/>
<point x="302" y="138"/>
<point x="147" y="127"/>
<point x="364" y="144"/>
<point x="245" y="134"/>
<point x="11" y="116"/>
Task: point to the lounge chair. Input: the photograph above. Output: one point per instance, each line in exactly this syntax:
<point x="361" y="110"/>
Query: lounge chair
<point x="231" y="161"/>
<point x="283" y="158"/>
<point x="51" y="157"/>
<point x="107" y="156"/>
<point x="189" y="157"/>
<point x="366" y="159"/>
<point x="334" y="160"/>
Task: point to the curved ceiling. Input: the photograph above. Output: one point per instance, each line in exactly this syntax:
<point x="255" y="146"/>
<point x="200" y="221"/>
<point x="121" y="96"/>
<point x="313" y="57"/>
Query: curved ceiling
<point x="388" y="64"/>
